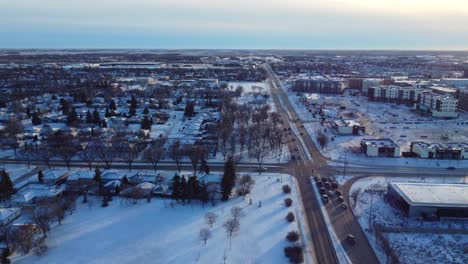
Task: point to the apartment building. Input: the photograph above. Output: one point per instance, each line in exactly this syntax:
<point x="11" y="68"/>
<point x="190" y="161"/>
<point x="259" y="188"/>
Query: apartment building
<point x="319" y="84"/>
<point x="438" y="105"/>
<point x="393" y="93"/>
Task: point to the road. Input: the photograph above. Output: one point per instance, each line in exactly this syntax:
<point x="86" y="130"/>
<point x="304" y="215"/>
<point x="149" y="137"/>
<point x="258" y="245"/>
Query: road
<point x="323" y="249"/>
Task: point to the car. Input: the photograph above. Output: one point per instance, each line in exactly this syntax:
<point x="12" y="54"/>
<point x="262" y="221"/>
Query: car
<point x="340" y="199"/>
<point x="325" y="198"/>
<point x="319" y="183"/>
<point x="296" y="148"/>
<point x="451" y="168"/>
<point x="344" y="206"/>
<point x="338" y="193"/>
<point x="334" y="184"/>
<point x="350" y="239"/>
<point x="299" y="158"/>
<point x="262" y="169"/>
<point x="316" y="178"/>
<point x="327" y="184"/>
<point x="322" y="190"/>
<point x="293" y="157"/>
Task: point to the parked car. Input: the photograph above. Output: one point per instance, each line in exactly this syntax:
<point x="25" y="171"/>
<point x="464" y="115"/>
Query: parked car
<point x="350" y="239"/>
<point x="344" y="206"/>
<point x="316" y="178"/>
<point x="340" y="199"/>
<point x="451" y="168"/>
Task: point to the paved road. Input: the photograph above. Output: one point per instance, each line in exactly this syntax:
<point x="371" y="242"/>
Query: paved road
<point x="323" y="248"/>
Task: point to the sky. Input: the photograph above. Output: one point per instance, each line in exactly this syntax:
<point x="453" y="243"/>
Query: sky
<point x="235" y="24"/>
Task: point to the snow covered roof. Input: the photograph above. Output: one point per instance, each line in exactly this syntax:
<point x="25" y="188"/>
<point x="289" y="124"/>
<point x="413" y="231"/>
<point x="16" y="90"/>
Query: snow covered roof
<point x="433" y="194"/>
<point x="7" y="212"/>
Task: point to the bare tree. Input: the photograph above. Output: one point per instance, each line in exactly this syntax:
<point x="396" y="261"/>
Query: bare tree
<point x="26" y="154"/>
<point x="89" y="155"/>
<point x="129" y="152"/>
<point x="155" y="152"/>
<point x="12" y="130"/>
<point x="236" y="212"/>
<point x="42" y="216"/>
<point x="44" y="154"/>
<point x="355" y="196"/>
<point x="211" y="218"/>
<point x="322" y="139"/>
<point x="245" y="184"/>
<point x="231" y="226"/>
<point x="196" y="155"/>
<point x="204" y="234"/>
<point x="21" y="237"/>
<point x="176" y="154"/>
<point x="106" y="153"/>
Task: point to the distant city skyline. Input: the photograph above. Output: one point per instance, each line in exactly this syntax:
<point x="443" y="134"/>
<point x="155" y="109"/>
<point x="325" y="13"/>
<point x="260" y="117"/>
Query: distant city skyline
<point x="240" y="24"/>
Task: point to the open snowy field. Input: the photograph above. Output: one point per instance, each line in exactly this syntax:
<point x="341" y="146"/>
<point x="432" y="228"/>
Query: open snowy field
<point x="157" y="232"/>
<point x="404" y="244"/>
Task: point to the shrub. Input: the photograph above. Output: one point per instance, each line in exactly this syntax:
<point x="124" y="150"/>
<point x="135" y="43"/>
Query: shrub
<point x="288" y="202"/>
<point x="292" y="236"/>
<point x="286" y="189"/>
<point x="290" y="217"/>
<point x="294" y="253"/>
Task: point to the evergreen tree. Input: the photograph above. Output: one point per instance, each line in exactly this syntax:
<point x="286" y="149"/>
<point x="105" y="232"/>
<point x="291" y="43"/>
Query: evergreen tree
<point x="35" y="119"/>
<point x="97" y="176"/>
<point x="40" y="176"/>
<point x="175" y="187"/>
<point x="107" y="113"/>
<point x="96" y="117"/>
<point x="229" y="178"/>
<point x="189" y="109"/>
<point x="146" y="123"/>
<point x="104" y="124"/>
<point x="204" y="167"/>
<point x="204" y="195"/>
<point x="133" y="103"/>
<point x="112" y="105"/>
<point x="146" y="111"/>
<point x="72" y="117"/>
<point x="125" y="181"/>
<point x="183" y="187"/>
<point x="89" y="117"/>
<point x="6" y="186"/>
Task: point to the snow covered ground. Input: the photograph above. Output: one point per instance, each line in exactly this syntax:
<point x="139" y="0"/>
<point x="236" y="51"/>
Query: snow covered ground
<point x="386" y="215"/>
<point x="430" y="248"/>
<point x="156" y="232"/>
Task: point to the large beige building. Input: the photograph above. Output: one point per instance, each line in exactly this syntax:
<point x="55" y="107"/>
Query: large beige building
<point x="439" y="105"/>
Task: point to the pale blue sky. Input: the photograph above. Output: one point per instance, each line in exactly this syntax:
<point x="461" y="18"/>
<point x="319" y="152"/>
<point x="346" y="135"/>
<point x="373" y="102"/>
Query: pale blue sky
<point x="256" y="24"/>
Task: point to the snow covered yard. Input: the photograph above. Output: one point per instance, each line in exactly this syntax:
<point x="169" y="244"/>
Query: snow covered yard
<point x="373" y="209"/>
<point x="429" y="248"/>
<point x="156" y="232"/>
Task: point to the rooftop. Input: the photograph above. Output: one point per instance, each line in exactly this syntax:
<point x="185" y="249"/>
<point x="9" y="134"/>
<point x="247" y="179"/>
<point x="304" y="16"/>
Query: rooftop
<point x="381" y="142"/>
<point x="433" y="194"/>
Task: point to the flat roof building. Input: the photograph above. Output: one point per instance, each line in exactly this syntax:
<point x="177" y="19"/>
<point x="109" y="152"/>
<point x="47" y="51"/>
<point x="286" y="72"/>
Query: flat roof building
<point x="348" y="127"/>
<point x="426" y="199"/>
<point x="440" y="150"/>
<point x="319" y="84"/>
<point x="382" y="147"/>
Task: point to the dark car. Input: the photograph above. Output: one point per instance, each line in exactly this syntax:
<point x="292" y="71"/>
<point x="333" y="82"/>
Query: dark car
<point x="451" y="168"/>
<point x="350" y="239"/>
<point x="316" y="178"/>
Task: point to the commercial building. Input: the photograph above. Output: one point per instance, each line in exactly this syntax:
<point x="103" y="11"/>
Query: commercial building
<point x="395" y="94"/>
<point x="367" y="83"/>
<point x="461" y="83"/>
<point x="462" y="95"/>
<point x="355" y="83"/>
<point x="429" y="199"/>
<point x="439" y="105"/>
<point x="440" y="150"/>
<point x="319" y="84"/>
<point x="382" y="147"/>
<point x="465" y="70"/>
<point x="348" y="127"/>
